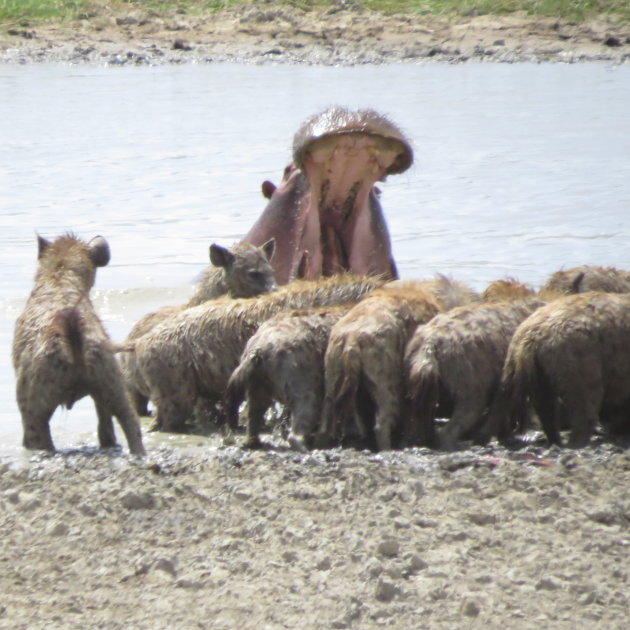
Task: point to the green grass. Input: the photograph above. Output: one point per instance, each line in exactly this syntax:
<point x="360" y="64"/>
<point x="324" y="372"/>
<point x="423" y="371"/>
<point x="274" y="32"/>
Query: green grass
<point x="33" y="10"/>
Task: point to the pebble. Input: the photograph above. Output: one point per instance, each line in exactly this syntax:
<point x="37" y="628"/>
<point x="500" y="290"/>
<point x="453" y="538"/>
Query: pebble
<point x="385" y="591"/>
<point x="415" y="563"/>
<point x="470" y="608"/>
<point x="324" y="564"/>
<point x="373" y="567"/>
<point x="482" y="518"/>
<point x="12" y="496"/>
<point x="289" y="556"/>
<point x="138" y="500"/>
<point x="586" y="598"/>
<point x="389" y="548"/>
<point x="395" y="572"/>
<point x="166" y="565"/>
<point x="57" y="529"/>
<point x="548" y="584"/>
<point x="190" y="583"/>
<point x="604" y="516"/>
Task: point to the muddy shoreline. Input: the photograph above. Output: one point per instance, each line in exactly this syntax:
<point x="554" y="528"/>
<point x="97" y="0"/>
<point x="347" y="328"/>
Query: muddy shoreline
<point x="227" y="538"/>
<point x="343" y="35"/>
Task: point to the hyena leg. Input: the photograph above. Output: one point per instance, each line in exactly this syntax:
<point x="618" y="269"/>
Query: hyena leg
<point x="583" y="415"/>
<point x="111" y="400"/>
<point x="106" y="434"/>
<point x="323" y="436"/>
<point x="140" y="402"/>
<point x="387" y="416"/>
<point x="131" y="427"/>
<point x="36" y="427"/>
<point x="306" y="408"/>
<point x="548" y="412"/>
<point x="258" y="401"/>
<point x="463" y="421"/>
<point x="126" y="418"/>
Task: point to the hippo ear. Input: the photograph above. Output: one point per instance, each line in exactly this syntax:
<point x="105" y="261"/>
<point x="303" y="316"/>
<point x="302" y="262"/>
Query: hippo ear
<point x="99" y="251"/>
<point x="220" y="256"/>
<point x="268" y="188"/>
<point x="42" y="246"/>
<point x="269" y="248"/>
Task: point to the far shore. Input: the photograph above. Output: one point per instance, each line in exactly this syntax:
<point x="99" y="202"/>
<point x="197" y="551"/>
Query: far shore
<point x="341" y="35"/>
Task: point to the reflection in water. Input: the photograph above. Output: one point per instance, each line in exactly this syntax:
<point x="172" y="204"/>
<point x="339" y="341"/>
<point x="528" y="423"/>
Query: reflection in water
<point x="520" y="170"/>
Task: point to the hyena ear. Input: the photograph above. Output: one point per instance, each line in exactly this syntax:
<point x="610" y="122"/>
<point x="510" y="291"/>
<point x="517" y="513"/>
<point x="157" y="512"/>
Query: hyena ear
<point x="99" y="251"/>
<point x="220" y="256"/>
<point x="42" y="246"/>
<point x="269" y="248"/>
<point x="576" y="285"/>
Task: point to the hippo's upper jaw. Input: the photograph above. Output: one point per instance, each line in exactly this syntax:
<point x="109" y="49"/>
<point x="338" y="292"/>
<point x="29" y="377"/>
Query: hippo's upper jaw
<point x="325" y="213"/>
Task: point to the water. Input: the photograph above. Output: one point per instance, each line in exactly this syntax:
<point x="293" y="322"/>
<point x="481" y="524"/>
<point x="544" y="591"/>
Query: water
<point x="519" y="170"/>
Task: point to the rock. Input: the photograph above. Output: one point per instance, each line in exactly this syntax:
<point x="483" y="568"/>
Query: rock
<point x="190" y="583"/>
<point x="28" y="503"/>
<point x="87" y="510"/>
<point x="482" y="518"/>
<point x="242" y="494"/>
<point x="166" y="565"/>
<point x="324" y="564"/>
<point x="415" y="563"/>
<point x="373" y="567"/>
<point x="402" y="523"/>
<point x="605" y="516"/>
<point x="12" y="496"/>
<point x="389" y="548"/>
<point x="182" y="44"/>
<point x="470" y="608"/>
<point x="587" y="598"/>
<point x="395" y="572"/>
<point x="57" y="529"/>
<point x="138" y="500"/>
<point x="385" y="591"/>
<point x="548" y="584"/>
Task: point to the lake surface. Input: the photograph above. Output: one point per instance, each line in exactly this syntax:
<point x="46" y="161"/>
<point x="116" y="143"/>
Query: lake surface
<point x="519" y="170"/>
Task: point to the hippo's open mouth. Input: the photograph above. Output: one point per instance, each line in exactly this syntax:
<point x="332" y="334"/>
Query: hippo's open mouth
<point x="325" y="213"/>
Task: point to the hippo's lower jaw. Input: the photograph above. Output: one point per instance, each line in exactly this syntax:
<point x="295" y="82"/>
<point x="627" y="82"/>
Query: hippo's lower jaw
<point x="352" y="234"/>
<point x="325" y="214"/>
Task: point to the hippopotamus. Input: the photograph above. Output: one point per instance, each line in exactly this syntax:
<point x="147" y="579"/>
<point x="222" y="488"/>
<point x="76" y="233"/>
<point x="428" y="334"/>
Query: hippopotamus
<point x="325" y="214"/>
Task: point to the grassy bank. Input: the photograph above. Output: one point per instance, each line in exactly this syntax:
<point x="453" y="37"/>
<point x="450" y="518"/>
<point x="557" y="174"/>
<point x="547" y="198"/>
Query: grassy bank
<point x="33" y="10"/>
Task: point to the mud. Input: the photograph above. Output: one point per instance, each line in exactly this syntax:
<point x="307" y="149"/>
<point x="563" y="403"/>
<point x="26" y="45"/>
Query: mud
<point x="220" y="537"/>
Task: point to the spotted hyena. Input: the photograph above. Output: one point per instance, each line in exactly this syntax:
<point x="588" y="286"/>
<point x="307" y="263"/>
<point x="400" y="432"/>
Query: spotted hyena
<point x="241" y="271"/>
<point x="61" y="351"/>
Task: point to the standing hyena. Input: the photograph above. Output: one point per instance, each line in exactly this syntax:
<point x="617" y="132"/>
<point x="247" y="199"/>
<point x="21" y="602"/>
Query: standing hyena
<point x="283" y="361"/>
<point x="61" y="351"/>
<point x="571" y="361"/>
<point x="189" y="358"/>
<point x="242" y="271"/>
<point x="364" y="361"/>
<point x="453" y="366"/>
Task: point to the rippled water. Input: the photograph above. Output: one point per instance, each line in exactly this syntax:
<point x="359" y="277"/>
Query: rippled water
<point x="520" y="170"/>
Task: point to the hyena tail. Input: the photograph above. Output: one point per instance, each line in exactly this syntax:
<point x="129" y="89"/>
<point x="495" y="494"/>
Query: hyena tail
<point x="70" y="325"/>
<point x="236" y="389"/>
<point x="423" y="393"/>
<point x="509" y="412"/>
<point x="343" y="374"/>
